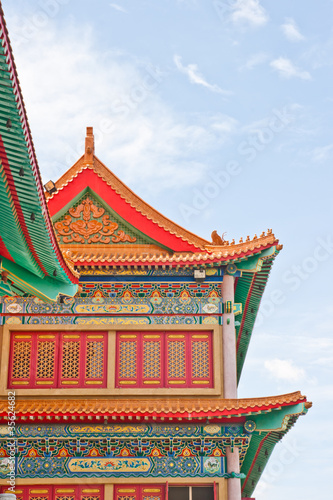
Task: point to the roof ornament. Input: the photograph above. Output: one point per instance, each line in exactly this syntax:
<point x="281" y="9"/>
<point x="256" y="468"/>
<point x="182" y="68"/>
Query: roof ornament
<point x="89" y="147"/>
<point x="216" y="239"/>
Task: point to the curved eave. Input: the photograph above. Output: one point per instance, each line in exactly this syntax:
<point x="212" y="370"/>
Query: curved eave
<point x="114" y="255"/>
<point x="184" y="408"/>
<point x="250" y="288"/>
<point x="27" y="240"/>
<point x="262" y="445"/>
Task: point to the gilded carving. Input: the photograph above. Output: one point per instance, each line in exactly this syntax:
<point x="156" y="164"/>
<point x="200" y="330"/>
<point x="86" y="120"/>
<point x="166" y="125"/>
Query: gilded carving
<point x="87" y="228"/>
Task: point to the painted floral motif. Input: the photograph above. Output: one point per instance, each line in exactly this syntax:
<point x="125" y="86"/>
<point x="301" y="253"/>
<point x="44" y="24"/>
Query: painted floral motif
<point x="88" y="229"/>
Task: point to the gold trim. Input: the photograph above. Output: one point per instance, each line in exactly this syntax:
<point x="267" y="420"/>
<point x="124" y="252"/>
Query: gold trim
<point x="71" y="336"/>
<point x="151" y="381"/>
<point x="95" y="336"/>
<point x="22" y="336"/>
<point x="69" y="382"/>
<point x="93" y="382"/>
<point x="152" y="336"/>
<point x="176" y="336"/>
<point x="46" y="336"/>
<point x="47" y="382"/>
<point x="176" y="381"/>
<point x="126" y="491"/>
<point x="151" y="490"/>
<point x="91" y="491"/>
<point x="200" y="381"/>
<point x="127" y="382"/>
<point x="65" y="491"/>
<point x="38" y="491"/>
<point x="128" y="336"/>
<point x="199" y="336"/>
<point x="20" y="383"/>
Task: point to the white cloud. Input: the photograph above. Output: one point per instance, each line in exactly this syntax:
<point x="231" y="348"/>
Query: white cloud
<point x="118" y="7"/>
<point x="322" y="153"/>
<point x="248" y="12"/>
<point x="291" y="31"/>
<point x="284" y="370"/>
<point x="72" y="85"/>
<point x="254" y="60"/>
<point x="287" y="69"/>
<point x="192" y="71"/>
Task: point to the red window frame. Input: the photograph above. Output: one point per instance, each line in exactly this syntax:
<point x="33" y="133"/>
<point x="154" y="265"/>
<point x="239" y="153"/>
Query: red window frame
<point x="58" y="339"/>
<point x="57" y="492"/>
<point x="139" y="491"/>
<point x="179" y="344"/>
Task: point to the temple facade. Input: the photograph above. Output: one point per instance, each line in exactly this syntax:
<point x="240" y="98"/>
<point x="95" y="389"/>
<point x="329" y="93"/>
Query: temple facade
<point x="123" y="338"/>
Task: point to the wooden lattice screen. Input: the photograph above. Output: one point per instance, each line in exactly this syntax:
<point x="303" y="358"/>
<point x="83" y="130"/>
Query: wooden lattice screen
<point x="58" y="359"/>
<point x="164" y="359"/>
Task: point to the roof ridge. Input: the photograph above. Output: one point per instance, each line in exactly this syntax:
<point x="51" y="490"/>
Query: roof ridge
<point x="129" y="197"/>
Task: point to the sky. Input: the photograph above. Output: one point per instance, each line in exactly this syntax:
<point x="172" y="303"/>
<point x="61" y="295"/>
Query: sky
<point x="218" y="114"/>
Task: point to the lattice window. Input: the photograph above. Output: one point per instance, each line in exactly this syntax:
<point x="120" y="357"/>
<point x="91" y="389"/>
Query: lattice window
<point x="42" y="359"/>
<point x="95" y="360"/>
<point x="127" y="359"/>
<point x="21" y="360"/>
<point x="139" y="492"/>
<point x="57" y="492"/>
<point x="45" y="359"/>
<point x="176" y="359"/>
<point x="70" y="360"/>
<point x="200" y="359"/>
<point x="151" y="360"/>
<point x="164" y="359"/>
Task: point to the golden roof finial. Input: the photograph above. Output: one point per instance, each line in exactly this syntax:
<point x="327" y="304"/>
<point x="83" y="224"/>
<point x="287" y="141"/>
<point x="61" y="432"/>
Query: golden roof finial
<point x="89" y="147"/>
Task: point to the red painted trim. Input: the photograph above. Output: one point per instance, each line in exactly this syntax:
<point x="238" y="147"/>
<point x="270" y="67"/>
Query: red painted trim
<point x="17" y="205"/>
<point x="4" y="252"/>
<point x="245" y="312"/>
<point x="53" y="491"/>
<point x="88" y="178"/>
<point x="254" y="460"/>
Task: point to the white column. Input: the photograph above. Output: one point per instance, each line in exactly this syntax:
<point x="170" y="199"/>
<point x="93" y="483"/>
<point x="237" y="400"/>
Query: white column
<point x="234" y="484"/>
<point x="229" y="340"/>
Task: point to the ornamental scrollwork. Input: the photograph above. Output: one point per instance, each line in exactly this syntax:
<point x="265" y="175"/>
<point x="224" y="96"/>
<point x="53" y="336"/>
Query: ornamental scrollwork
<point x="87" y="228"/>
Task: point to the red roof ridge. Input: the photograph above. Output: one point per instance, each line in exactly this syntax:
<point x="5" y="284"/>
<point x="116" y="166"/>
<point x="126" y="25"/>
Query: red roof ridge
<point x="129" y="196"/>
<point x="219" y="249"/>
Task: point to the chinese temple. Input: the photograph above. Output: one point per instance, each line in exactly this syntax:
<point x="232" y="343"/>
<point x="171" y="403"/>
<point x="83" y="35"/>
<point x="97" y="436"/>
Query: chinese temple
<point x="123" y="338"/>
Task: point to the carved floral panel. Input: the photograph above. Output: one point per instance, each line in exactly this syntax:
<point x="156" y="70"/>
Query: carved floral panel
<point x="88" y="223"/>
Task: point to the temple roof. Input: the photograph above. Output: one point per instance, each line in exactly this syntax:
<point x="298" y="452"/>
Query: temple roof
<point x="186" y="408"/>
<point x="32" y="261"/>
<point x="121" y="229"/>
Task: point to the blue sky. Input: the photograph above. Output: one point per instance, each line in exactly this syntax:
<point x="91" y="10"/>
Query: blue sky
<point x="219" y="114"/>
